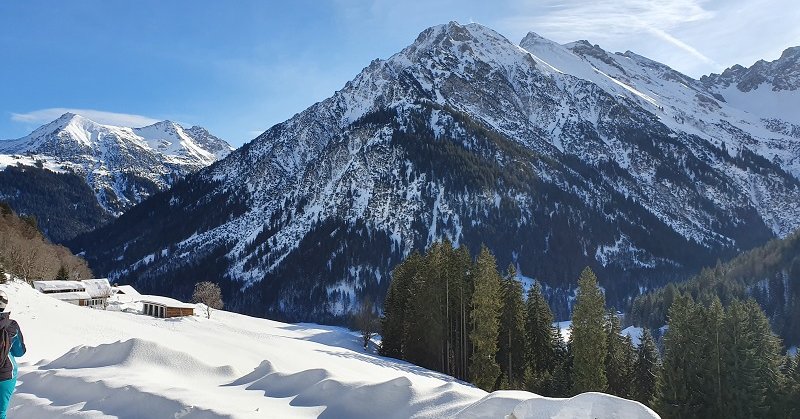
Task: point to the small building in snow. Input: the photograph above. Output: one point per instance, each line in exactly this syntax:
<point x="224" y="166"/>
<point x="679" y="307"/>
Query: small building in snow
<point x="79" y="298"/>
<point x="165" y="307"/>
<point x="92" y="293"/>
<point x="99" y="290"/>
<point x="55" y="287"/>
<point x="126" y="290"/>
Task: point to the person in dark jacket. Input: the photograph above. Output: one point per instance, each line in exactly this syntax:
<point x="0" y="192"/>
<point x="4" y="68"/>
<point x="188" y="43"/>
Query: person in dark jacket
<point x="12" y="345"/>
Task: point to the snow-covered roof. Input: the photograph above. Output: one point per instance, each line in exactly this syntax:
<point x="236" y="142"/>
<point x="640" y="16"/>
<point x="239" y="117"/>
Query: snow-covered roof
<point x="71" y="296"/>
<point x="55" y="285"/>
<point x="165" y="301"/>
<point x="98" y="287"/>
<point x="127" y="290"/>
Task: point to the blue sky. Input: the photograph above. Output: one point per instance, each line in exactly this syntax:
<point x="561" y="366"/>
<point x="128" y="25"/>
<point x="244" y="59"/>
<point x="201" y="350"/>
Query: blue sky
<point x="238" y="67"/>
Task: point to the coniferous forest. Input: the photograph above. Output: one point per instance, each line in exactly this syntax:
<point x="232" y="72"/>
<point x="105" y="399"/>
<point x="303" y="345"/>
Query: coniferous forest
<point x="457" y="313"/>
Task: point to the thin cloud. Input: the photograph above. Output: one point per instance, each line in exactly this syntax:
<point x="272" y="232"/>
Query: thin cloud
<point x="680" y="44"/>
<point x="604" y="19"/>
<point x="43" y="116"/>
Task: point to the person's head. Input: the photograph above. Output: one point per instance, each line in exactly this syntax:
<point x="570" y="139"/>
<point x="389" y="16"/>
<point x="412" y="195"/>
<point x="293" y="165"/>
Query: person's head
<point x="3" y="300"/>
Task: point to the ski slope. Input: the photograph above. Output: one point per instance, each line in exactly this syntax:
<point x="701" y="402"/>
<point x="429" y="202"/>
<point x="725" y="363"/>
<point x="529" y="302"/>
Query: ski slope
<point x="84" y="363"/>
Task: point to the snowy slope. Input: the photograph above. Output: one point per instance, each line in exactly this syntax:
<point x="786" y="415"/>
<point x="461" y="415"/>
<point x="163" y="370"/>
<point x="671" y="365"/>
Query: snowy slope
<point x="122" y="165"/>
<point x="763" y="119"/>
<point x="87" y="363"/>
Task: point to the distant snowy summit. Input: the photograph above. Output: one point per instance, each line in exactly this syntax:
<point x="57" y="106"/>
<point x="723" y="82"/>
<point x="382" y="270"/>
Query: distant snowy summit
<point x="121" y="165"/>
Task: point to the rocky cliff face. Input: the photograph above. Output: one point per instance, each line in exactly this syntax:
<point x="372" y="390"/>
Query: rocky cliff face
<point x="556" y="157"/>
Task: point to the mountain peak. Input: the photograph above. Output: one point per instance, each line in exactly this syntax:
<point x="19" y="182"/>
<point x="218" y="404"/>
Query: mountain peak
<point x="790" y="54"/>
<point x="164" y="125"/>
<point x="777" y="75"/>
<point x="453" y="32"/>
<point x="533" y="37"/>
<point x="71" y="118"/>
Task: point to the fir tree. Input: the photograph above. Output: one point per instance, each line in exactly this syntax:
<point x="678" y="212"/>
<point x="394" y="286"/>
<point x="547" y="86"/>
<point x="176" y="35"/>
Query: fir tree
<point x="511" y="347"/>
<point x="680" y="387"/>
<point x="394" y="324"/>
<point x="619" y="358"/>
<point x="712" y="352"/>
<point x="645" y="370"/>
<point x="485" y="316"/>
<point x="62" y="274"/>
<point x="561" y="384"/>
<point x="721" y="363"/>
<point x="426" y="325"/>
<point x="461" y="296"/>
<point x="588" y="337"/>
<point x="539" y="332"/>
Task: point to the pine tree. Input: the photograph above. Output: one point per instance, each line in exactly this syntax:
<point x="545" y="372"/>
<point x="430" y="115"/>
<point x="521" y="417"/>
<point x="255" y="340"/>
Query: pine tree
<point x="720" y="363"/>
<point x="426" y="324"/>
<point x="62" y="274"/>
<point x="485" y="316"/>
<point x="561" y="384"/>
<point x="646" y="369"/>
<point x="743" y="396"/>
<point x="539" y="331"/>
<point x="461" y="296"/>
<point x="619" y="358"/>
<point x="588" y="336"/>
<point x="3" y="278"/>
<point x="511" y="346"/>
<point x="396" y="310"/>
<point x="679" y="390"/>
<point x="712" y="352"/>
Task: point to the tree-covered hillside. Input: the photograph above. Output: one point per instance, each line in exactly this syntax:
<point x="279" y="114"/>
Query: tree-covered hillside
<point x="25" y="253"/>
<point x="770" y="274"/>
<point x="63" y="203"/>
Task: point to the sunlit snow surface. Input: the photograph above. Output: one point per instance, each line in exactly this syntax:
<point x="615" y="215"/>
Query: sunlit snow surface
<point x="85" y="363"/>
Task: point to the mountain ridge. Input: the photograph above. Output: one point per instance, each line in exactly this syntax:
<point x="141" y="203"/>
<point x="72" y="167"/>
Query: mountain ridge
<point x="121" y="164"/>
<point x="466" y="136"/>
<point x="113" y="168"/>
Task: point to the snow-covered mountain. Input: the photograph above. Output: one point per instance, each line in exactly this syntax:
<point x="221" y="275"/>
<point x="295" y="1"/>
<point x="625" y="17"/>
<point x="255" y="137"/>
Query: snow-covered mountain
<point x="555" y="156"/>
<point x="121" y="165"/>
<point x="91" y="364"/>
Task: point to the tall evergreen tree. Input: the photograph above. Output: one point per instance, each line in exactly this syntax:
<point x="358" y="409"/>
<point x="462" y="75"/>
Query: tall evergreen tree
<point x="426" y="334"/>
<point x="561" y="384"/>
<point x="461" y="302"/>
<point x="721" y="363"/>
<point x="680" y="387"/>
<point x="485" y="316"/>
<point x="743" y="396"/>
<point x="712" y="341"/>
<point x="396" y="307"/>
<point x="646" y="369"/>
<point x="539" y="331"/>
<point x="619" y="358"/>
<point x="588" y="337"/>
<point x="511" y="347"/>
<point x="541" y="344"/>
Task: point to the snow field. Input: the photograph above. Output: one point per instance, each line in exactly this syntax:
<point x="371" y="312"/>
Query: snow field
<point x="84" y="363"/>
